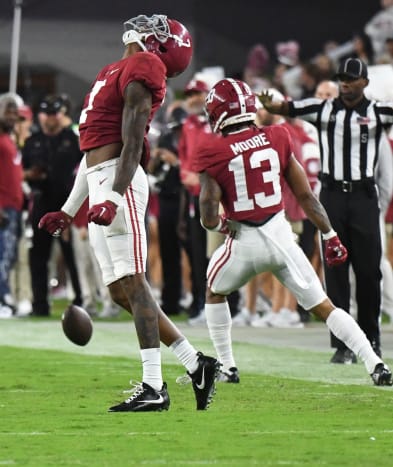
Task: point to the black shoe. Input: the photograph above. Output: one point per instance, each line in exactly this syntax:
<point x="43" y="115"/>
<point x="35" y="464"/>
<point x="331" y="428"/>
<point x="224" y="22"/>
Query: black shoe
<point x="230" y="376"/>
<point x="144" y="399"/>
<point x="203" y="380"/>
<point x="381" y="375"/>
<point x="345" y="356"/>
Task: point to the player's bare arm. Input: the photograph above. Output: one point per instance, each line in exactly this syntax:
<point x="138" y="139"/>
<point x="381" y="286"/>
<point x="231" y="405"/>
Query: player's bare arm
<point x="209" y="200"/>
<point x="298" y="182"/>
<point x="136" y="111"/>
<point x="280" y="108"/>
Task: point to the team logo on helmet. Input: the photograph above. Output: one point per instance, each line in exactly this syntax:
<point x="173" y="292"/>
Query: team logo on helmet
<point x="230" y="102"/>
<point x="166" y="38"/>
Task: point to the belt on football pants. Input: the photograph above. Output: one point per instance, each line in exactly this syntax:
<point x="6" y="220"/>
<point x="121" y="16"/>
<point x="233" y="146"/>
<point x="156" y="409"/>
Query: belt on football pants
<point x="347" y="186"/>
<point x="257" y="223"/>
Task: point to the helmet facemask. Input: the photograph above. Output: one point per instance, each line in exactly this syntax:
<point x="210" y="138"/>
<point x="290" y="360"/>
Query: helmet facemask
<point x="167" y="38"/>
<point x="144" y="26"/>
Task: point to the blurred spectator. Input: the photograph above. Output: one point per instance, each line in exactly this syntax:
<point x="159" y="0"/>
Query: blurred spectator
<point x="164" y="167"/>
<point x="50" y="160"/>
<point x="20" y="276"/>
<point x="387" y="56"/>
<point x="380" y="27"/>
<point x="363" y="48"/>
<point x="257" y="67"/>
<point x="287" y="71"/>
<point x="309" y="78"/>
<point x="11" y="201"/>
<point x="327" y="90"/>
<point x="325" y="65"/>
<point x="288" y="53"/>
<point x="194" y="126"/>
<point x="66" y="116"/>
<point x="23" y="126"/>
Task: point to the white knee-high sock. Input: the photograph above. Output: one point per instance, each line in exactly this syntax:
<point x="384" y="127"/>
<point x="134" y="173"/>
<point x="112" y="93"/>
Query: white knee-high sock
<point x="151" y="364"/>
<point x="186" y="353"/>
<point x="346" y="329"/>
<point x="219" y="322"/>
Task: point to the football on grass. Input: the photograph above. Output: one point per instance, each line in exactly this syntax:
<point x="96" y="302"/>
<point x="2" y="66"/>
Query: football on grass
<point x="77" y="325"/>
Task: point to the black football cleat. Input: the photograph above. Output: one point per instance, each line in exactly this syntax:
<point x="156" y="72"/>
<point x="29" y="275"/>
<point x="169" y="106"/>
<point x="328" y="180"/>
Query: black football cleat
<point x="144" y="399"/>
<point x="381" y="375"/>
<point x="344" y="356"/>
<point x="204" y="379"/>
<point x="229" y="376"/>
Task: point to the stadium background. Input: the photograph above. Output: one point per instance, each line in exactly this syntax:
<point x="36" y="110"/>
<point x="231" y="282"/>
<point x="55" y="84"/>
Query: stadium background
<point x="64" y="43"/>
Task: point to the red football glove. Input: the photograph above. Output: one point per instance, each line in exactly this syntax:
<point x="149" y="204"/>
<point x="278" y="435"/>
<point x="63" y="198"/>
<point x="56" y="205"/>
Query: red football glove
<point x="102" y="213"/>
<point x="335" y="252"/>
<point x="55" y="222"/>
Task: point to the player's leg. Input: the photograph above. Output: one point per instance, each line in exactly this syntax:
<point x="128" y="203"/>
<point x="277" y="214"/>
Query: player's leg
<point x="123" y="261"/>
<point x="300" y="277"/>
<point x="226" y="272"/>
<point x="196" y="364"/>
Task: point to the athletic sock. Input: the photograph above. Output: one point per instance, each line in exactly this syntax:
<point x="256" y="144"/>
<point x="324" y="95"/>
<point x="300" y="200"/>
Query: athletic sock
<point x="345" y="328"/>
<point x="219" y="322"/>
<point x="151" y="364"/>
<point x="186" y="354"/>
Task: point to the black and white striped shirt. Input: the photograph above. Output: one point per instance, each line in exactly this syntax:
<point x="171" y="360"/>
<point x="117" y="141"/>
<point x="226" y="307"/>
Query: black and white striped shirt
<point x="348" y="138"/>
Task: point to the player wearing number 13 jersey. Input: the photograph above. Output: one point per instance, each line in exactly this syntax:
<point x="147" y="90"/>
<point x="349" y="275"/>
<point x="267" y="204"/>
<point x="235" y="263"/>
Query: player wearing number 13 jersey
<point x="113" y="123"/>
<point x="242" y="167"/>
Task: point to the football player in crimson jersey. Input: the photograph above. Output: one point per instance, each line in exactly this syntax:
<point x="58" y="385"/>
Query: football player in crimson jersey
<point x="113" y="124"/>
<point x="243" y="167"/>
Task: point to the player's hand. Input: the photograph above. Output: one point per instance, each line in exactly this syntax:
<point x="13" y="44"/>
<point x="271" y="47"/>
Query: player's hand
<point x="224" y="229"/>
<point x="102" y="213"/>
<point x="335" y="252"/>
<point x="55" y="222"/>
<point x="222" y="226"/>
<point x="266" y="99"/>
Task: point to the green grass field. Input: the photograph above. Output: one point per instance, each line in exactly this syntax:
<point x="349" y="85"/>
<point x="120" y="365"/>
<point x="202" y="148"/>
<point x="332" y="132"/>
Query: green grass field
<point x="292" y="408"/>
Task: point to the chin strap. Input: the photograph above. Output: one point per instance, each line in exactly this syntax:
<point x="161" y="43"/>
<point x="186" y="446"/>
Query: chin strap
<point x="132" y="36"/>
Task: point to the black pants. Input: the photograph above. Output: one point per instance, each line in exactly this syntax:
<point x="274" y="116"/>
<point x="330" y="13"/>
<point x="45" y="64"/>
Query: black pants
<point x="170" y="249"/>
<point x="355" y="218"/>
<point x="39" y="255"/>
<point x="199" y="260"/>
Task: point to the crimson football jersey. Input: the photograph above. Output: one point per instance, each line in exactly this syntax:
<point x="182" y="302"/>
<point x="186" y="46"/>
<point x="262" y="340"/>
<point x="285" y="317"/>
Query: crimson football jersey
<point x="193" y="127"/>
<point x="101" y="117"/>
<point x="249" y="167"/>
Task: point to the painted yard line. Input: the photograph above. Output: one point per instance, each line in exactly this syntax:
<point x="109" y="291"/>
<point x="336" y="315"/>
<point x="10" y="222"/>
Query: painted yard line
<point x="178" y="433"/>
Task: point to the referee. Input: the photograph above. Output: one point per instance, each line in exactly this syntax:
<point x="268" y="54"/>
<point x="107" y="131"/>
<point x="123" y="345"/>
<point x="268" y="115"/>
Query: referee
<point x="350" y="129"/>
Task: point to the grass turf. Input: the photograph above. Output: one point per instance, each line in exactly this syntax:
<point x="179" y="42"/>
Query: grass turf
<point x="53" y="412"/>
<point x="287" y="410"/>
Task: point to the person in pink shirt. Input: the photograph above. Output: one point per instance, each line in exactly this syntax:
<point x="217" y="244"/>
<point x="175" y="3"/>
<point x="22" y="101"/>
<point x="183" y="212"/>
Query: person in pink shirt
<point x="11" y="200"/>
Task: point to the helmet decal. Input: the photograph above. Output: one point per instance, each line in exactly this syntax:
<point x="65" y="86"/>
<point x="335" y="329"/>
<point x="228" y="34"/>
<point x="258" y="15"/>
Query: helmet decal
<point x="167" y="38"/>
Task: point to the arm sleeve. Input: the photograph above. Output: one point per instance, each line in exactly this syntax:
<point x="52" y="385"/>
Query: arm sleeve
<point x="79" y="191"/>
<point x="384" y="174"/>
<point x="146" y="68"/>
<point x="306" y="109"/>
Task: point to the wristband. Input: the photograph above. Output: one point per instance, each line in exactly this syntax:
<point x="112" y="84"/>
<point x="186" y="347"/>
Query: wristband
<point x="115" y="198"/>
<point x="217" y="228"/>
<point x="329" y="235"/>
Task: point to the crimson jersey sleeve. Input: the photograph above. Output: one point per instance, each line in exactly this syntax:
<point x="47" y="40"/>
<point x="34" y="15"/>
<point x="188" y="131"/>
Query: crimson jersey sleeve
<point x="101" y="117"/>
<point x="249" y="166"/>
<point x="146" y="68"/>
